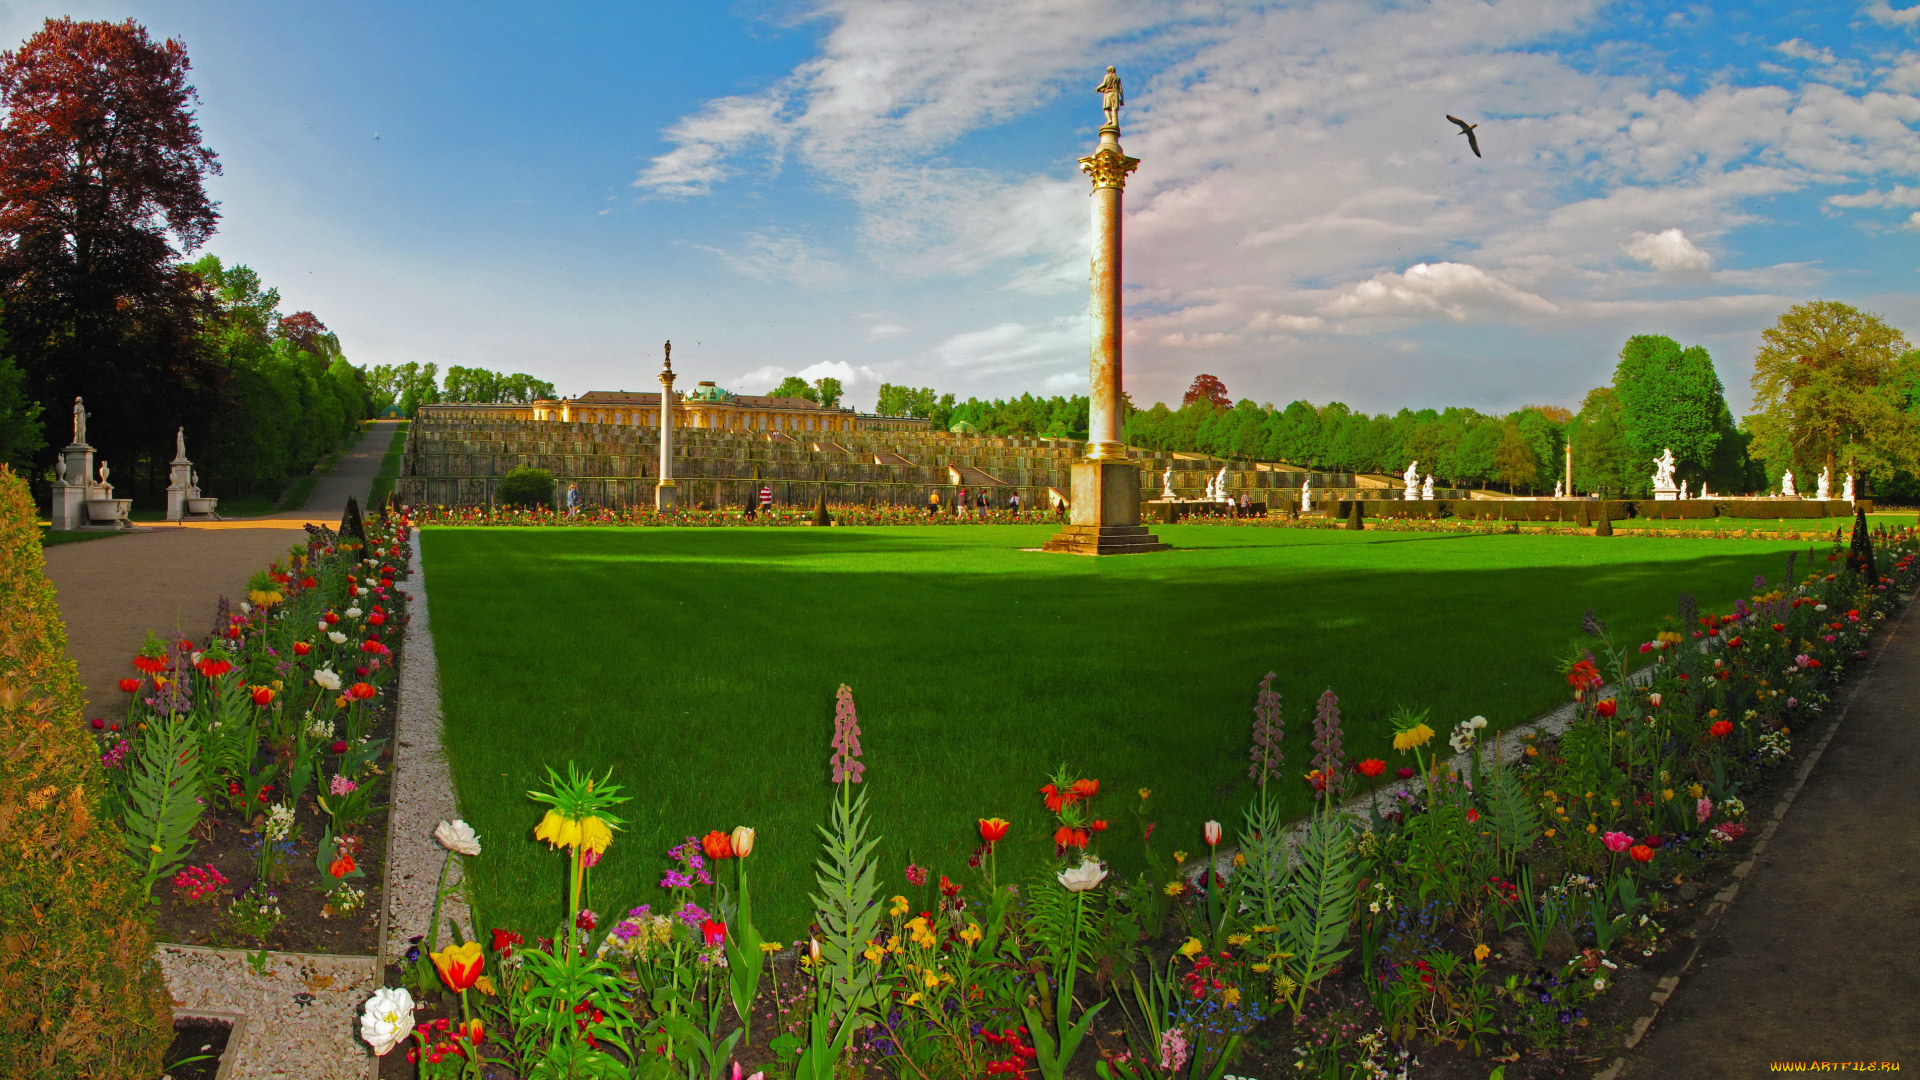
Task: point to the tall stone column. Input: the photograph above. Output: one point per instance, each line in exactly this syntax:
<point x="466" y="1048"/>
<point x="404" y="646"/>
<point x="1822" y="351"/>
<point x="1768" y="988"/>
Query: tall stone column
<point x="666" y="495"/>
<point x="1105" y="507"/>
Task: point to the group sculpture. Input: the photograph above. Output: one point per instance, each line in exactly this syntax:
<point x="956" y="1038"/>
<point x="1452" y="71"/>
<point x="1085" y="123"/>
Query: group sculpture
<point x="83" y="499"/>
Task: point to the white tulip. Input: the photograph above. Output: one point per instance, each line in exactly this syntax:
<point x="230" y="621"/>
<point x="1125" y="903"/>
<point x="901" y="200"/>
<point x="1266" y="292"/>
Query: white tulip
<point x="388" y="1019"/>
<point x="336" y="637"/>
<point x="353" y="613"/>
<point x="327" y="678"/>
<point x="1086" y="876"/>
<point x="322" y="624"/>
<point x="457" y="836"/>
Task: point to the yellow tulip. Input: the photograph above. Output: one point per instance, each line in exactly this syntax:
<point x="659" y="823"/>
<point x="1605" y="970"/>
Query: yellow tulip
<point x="1192" y="947"/>
<point x="742" y="840"/>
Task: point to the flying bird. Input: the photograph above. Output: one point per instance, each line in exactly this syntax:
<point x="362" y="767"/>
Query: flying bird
<point x="1467" y="130"/>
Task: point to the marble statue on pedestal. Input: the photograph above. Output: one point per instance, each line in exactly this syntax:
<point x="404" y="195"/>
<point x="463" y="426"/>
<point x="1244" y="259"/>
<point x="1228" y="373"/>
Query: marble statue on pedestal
<point x="1822" y="493"/>
<point x="1166" y="483"/>
<point x="1683" y="489"/>
<point x="1786" y="486"/>
<point x="1846" y="490"/>
<point x="79" y="423"/>
<point x="1663" y="486"/>
<point x="1559" y="489"/>
<point x="1412" y="479"/>
<point x="1306" y="494"/>
<point x="1426" y="490"/>
<point x="1220" y="485"/>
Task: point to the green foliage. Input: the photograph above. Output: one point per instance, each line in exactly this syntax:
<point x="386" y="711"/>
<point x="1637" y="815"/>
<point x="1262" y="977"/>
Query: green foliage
<point x="1318" y="908"/>
<point x="1834" y="386"/>
<point x="827" y="391"/>
<point x="844" y="906"/>
<point x="1024" y="415"/>
<point x="907" y="401"/>
<point x="20" y="433"/>
<point x="793" y="386"/>
<point x="482" y="387"/>
<point x="408" y="386"/>
<point x="525" y="486"/>
<point x="1515" y="823"/>
<point x="84" y="996"/>
<point x="163" y="800"/>
<point x="1671" y="397"/>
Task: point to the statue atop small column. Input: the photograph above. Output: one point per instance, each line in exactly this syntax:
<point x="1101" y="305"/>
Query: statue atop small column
<point x="1166" y="483"/>
<point x="79" y="423"/>
<point x="1111" y="97"/>
<point x="1786" y="486"/>
<point x="1823" y="493"/>
<point x="1306" y="494"/>
<point x="1559" y="489"/>
<point x="1846" y="490"/>
<point x="1412" y="479"/>
<point x="1426" y="490"/>
<point x="1664" y="489"/>
<point x="1220" y="485"/>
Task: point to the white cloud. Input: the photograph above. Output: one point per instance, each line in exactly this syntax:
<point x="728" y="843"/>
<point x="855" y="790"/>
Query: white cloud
<point x="1882" y="12"/>
<point x="1456" y="291"/>
<point x="1898" y="195"/>
<point x="779" y="255"/>
<point x="885" y="331"/>
<point x="1669" y="252"/>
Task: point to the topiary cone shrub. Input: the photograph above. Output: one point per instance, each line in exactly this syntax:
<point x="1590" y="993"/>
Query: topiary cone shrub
<point x="82" y="994"/>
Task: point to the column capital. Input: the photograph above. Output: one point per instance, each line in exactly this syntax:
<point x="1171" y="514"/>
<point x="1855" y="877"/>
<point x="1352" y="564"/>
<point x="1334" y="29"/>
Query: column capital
<point x="1108" y="167"/>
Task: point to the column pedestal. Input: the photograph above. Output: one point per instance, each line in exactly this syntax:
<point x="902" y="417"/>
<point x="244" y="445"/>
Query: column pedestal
<point x="666" y="496"/>
<point x="1105" y="513"/>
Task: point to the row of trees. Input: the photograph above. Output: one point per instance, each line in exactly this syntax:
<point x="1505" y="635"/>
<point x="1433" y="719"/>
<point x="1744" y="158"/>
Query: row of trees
<point x="411" y="385"/>
<point x="1834" y="388"/>
<point x="1063" y="417"/>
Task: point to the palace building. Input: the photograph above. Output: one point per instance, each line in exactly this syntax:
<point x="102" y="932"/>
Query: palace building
<point x="706" y="406"/>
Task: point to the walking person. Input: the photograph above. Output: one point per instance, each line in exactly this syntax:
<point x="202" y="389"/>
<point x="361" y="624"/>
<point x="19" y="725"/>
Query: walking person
<point x="1013" y="503"/>
<point x="573" y="500"/>
<point x="766" y="498"/>
<point x="933" y="504"/>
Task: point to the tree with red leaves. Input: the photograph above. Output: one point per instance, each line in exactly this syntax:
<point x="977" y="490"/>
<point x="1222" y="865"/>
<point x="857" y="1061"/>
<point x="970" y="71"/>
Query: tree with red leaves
<point x="1207" y="388"/>
<point x="303" y="330"/>
<point x="101" y="194"/>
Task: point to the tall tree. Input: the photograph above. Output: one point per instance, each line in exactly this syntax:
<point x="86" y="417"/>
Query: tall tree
<point x="1830" y="391"/>
<point x="1602" y="460"/>
<point x="20" y="437"/>
<point x="1514" y="459"/>
<point x="101" y="191"/>
<point x="1207" y="388"/>
<point x="793" y="386"/>
<point x="828" y="391"/>
<point x="1671" y="398"/>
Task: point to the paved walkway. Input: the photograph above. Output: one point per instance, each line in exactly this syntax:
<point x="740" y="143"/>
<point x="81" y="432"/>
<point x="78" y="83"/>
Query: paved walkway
<point x="1818" y="958"/>
<point x="170" y="577"/>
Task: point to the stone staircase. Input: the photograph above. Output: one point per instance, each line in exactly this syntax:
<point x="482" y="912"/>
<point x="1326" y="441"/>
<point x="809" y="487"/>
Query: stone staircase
<point x="459" y="462"/>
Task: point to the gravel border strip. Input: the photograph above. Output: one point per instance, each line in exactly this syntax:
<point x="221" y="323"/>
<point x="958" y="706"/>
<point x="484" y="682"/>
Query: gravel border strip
<point x="1723" y="900"/>
<point x="296" y="1020"/>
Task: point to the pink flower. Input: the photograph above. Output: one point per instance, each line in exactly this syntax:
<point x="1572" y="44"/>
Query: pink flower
<point x="1703" y="809"/>
<point x="916" y="875"/>
<point x="1617" y="842"/>
<point x="341" y="785"/>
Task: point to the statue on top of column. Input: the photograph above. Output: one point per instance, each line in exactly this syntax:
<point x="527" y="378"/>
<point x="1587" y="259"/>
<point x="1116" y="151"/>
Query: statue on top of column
<point x="79" y="423"/>
<point x="1111" y="97"/>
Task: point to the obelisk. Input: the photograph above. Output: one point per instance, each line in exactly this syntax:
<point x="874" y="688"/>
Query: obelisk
<point x="1105" y="510"/>
<point x="666" y="495"/>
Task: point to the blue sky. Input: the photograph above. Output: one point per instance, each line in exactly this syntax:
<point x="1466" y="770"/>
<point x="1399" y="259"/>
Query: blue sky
<point x="885" y="191"/>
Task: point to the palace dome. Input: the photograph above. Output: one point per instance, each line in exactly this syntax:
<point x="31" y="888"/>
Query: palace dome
<point x="707" y="391"/>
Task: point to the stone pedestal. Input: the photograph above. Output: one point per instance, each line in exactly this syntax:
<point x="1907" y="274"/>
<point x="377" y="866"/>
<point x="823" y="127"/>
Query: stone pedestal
<point x="1104" y="515"/>
<point x="72" y="487"/>
<point x="1666" y="494"/>
<point x="179" y="489"/>
<point x="666" y="495"/>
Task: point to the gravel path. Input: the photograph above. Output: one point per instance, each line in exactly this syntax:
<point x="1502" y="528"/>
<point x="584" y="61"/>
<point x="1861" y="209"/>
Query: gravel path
<point x="170" y="577"/>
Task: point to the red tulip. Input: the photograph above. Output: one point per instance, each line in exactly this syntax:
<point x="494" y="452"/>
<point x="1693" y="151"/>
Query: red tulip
<point x="361" y="691"/>
<point x="1640" y="853"/>
<point x="98" y="724"/>
<point x="301" y="648"/>
<point x="1606" y="709"/>
<point x="947" y="888"/>
<point x="1371" y="767"/>
<point x="505" y="940"/>
<point x="713" y="933"/>
<point x="339" y="746"/>
<point x="331" y="618"/>
<point x="1721" y="729"/>
<point x="341" y="866"/>
<point x="263" y="696"/>
<point x="376" y="619"/>
<point x="993" y="830"/>
<point x="717" y="845"/>
<point x="128" y="686"/>
<point x="1211" y="831"/>
<point x="1404" y="773"/>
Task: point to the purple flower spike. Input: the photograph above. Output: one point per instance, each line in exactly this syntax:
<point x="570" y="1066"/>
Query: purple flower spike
<point x="846" y="739"/>
<point x="1327" y="755"/>
<point x="1267" y="730"/>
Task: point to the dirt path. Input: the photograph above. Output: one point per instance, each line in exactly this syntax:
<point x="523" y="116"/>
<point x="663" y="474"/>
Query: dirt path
<point x="170" y="578"/>
<point x="1818" y="959"/>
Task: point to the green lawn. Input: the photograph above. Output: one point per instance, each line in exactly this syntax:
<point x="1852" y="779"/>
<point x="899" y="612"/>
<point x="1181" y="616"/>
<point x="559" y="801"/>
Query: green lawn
<point x="700" y="664"/>
<point x="389" y="465"/>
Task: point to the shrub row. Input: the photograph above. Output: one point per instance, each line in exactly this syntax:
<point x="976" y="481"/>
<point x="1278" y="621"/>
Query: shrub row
<point x="84" y="995"/>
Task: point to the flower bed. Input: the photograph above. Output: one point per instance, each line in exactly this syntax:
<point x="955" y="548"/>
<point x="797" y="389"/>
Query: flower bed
<point x="1514" y="910"/>
<point x="247" y="774"/>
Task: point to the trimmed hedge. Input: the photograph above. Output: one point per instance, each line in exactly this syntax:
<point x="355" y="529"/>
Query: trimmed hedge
<point x="83" y="995"/>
